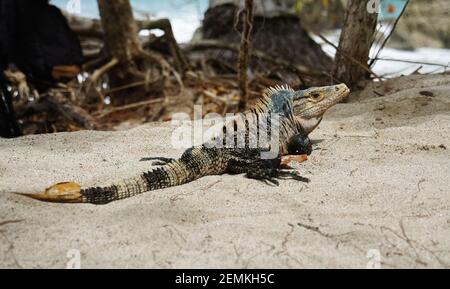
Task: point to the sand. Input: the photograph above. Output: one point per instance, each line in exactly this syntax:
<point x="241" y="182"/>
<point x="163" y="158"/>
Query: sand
<point x="378" y="197"/>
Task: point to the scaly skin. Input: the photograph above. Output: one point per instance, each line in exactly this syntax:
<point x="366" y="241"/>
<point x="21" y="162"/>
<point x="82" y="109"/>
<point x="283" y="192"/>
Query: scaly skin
<point x="300" y="112"/>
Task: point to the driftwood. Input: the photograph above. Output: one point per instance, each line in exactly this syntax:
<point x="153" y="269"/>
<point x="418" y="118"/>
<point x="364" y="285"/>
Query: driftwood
<point x="92" y="28"/>
<point x="60" y="103"/>
<point x="179" y="59"/>
<point x="85" y="27"/>
<point x="91" y="34"/>
<point x="112" y="46"/>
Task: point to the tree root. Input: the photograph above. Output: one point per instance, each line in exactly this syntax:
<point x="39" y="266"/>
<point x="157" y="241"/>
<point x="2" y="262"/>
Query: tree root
<point x="91" y="84"/>
<point x="142" y="78"/>
<point x="181" y="64"/>
<point x="165" y="66"/>
<point x="58" y="102"/>
<point x="102" y="70"/>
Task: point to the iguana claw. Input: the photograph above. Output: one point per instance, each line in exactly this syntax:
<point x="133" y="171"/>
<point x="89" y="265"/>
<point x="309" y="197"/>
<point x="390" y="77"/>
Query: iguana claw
<point x="60" y="193"/>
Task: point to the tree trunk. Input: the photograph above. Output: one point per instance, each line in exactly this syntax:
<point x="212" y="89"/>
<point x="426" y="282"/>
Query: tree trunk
<point x="121" y="31"/>
<point x="122" y="43"/>
<point x="355" y="41"/>
<point x="244" y="53"/>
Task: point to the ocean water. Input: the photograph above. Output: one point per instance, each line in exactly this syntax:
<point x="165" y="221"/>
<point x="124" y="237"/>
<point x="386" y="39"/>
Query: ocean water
<point x="433" y="59"/>
<point x="185" y="15"/>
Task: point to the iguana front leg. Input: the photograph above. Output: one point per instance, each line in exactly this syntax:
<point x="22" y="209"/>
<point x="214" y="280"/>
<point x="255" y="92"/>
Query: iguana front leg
<point x="299" y="147"/>
<point x="267" y="171"/>
<point x="248" y="161"/>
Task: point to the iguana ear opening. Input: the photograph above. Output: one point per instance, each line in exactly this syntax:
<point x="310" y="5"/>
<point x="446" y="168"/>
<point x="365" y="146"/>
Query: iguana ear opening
<point x="310" y="124"/>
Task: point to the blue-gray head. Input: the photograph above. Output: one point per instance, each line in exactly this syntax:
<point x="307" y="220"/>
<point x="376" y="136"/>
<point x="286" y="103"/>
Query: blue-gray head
<point x="306" y="106"/>
<point x="310" y="104"/>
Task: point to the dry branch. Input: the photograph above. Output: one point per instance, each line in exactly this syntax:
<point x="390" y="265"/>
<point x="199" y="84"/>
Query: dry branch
<point x="58" y="102"/>
<point x="129" y="106"/>
<point x="349" y="57"/>
<point x="412" y="61"/>
<point x="390" y="34"/>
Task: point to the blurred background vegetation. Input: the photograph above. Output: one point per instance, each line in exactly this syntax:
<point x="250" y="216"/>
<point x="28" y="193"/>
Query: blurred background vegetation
<point x="143" y="60"/>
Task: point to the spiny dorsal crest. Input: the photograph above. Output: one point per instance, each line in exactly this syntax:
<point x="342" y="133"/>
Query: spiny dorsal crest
<point x="262" y="104"/>
<point x="275" y="89"/>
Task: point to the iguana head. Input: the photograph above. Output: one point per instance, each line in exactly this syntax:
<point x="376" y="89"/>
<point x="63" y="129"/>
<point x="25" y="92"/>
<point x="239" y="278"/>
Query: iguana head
<point x="310" y="104"/>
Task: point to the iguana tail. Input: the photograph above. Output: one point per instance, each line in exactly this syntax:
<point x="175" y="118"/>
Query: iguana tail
<point x="194" y="164"/>
<point x="169" y="175"/>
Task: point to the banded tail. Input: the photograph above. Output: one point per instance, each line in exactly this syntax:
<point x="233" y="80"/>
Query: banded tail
<point x="193" y="164"/>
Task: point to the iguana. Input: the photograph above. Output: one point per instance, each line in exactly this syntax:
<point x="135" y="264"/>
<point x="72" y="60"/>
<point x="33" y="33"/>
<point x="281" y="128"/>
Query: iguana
<point x="299" y="113"/>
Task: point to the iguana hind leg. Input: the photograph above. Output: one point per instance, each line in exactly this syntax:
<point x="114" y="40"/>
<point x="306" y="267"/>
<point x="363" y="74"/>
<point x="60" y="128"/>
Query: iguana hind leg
<point x="271" y="175"/>
<point x="266" y="175"/>
<point x="248" y="161"/>
<point x="158" y="161"/>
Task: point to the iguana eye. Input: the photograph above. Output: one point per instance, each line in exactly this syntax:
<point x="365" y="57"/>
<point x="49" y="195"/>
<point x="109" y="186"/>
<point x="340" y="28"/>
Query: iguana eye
<point x="315" y="95"/>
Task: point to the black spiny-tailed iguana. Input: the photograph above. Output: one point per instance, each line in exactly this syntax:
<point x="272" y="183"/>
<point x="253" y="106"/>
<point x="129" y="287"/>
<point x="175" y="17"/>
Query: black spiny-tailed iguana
<point x="299" y="113"/>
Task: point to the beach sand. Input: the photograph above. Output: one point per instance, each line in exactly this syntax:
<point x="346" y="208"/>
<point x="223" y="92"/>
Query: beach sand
<point x="379" y="196"/>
